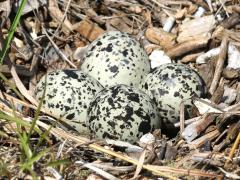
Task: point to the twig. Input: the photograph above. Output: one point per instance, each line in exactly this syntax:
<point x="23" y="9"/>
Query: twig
<point x="234" y="107"/>
<point x="189" y="121"/>
<point x="229" y="175"/>
<point x="17" y="101"/>
<point x="186" y="47"/>
<point x="224" y="7"/>
<point x="63" y="18"/>
<point x="220" y="63"/>
<point x="200" y="141"/>
<point x="59" y="51"/>
<point x="235" y="145"/>
<point x="182" y="117"/>
<point x="61" y="134"/>
<point x="195" y="129"/>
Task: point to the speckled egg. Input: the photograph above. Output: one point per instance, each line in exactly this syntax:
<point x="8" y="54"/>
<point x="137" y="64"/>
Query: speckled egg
<point x="122" y="112"/>
<point x="116" y="58"/>
<point x="169" y="85"/>
<point x="68" y="94"/>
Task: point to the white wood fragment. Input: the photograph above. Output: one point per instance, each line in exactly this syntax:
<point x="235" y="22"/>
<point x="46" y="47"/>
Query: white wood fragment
<point x="147" y="139"/>
<point x="199" y="12"/>
<point x="233" y="57"/>
<point x="205" y="108"/>
<point x="97" y="170"/>
<point x="55" y="173"/>
<point x="209" y="2"/>
<point x="200" y="27"/>
<point x="188" y="134"/>
<point x="33" y="34"/>
<point x="30" y="5"/>
<point x="79" y="53"/>
<point x="187" y="122"/>
<point x="229" y="95"/>
<point x="208" y="55"/>
<point x="158" y="58"/>
<point x="129" y="147"/>
<point x="223" y="105"/>
<point x="19" y="43"/>
<point x="229" y="174"/>
<point x="169" y="24"/>
<point x="219" y="18"/>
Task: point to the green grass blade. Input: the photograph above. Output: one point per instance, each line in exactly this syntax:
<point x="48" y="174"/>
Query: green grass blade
<point x="38" y="111"/>
<point x="25" y="146"/>
<point x="35" y="158"/>
<point x="18" y="121"/>
<point x="13" y="27"/>
<point x="42" y="137"/>
<point x="33" y="174"/>
<point x="58" y="162"/>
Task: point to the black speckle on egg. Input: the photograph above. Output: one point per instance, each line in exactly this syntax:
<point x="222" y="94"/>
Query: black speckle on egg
<point x="99" y="43"/>
<point x="176" y="94"/>
<point x="162" y="92"/>
<point x="144" y="127"/>
<point x="71" y="73"/>
<point x="124" y="112"/>
<point x="125" y="52"/>
<point x="70" y="116"/>
<point x="113" y="69"/>
<point x="118" y="57"/>
<point x="171" y="84"/>
<point x="68" y="94"/>
<point x="133" y="97"/>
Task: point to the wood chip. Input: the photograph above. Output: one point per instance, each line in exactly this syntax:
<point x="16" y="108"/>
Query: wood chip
<point x="186" y="47"/>
<point x="196" y="28"/>
<point x="88" y="29"/>
<point x="160" y="37"/>
<point x="200" y="141"/>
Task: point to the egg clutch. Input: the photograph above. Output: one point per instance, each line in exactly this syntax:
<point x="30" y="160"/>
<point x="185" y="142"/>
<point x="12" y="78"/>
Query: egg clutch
<point x="115" y="94"/>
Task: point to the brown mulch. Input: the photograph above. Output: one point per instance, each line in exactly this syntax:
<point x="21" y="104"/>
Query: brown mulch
<point x="204" y="35"/>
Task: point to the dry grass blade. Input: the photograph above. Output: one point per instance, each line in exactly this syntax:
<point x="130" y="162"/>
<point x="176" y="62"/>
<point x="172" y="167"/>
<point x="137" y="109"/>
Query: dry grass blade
<point x="185" y="171"/>
<point x="64" y="135"/>
<point x="140" y="164"/>
<point x="57" y="14"/>
<point x="97" y="170"/>
<point x="17" y="101"/>
<point x="21" y="87"/>
<point x="61" y="134"/>
<point x="55" y="173"/>
<point x="110" y="167"/>
<point x="81" y="140"/>
<point x="201" y="35"/>
<point x="63" y="56"/>
<point x="68" y="24"/>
